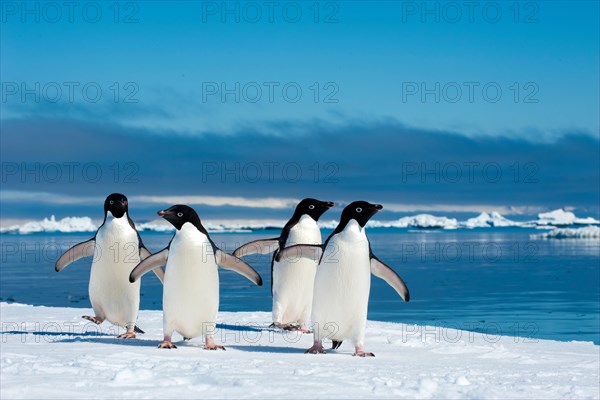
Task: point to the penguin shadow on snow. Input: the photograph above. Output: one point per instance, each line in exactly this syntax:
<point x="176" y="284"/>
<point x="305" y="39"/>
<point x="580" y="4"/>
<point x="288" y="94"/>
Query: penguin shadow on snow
<point x="266" y="349"/>
<point x="58" y="334"/>
<point x="79" y="337"/>
<point x="104" y="338"/>
<point x="110" y="339"/>
<point x="244" y="328"/>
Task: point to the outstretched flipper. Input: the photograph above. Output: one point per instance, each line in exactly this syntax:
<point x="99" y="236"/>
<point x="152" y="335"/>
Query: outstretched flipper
<point x="311" y="251"/>
<point x="233" y="263"/>
<point x="380" y="270"/>
<point x="264" y="246"/>
<point x="80" y="250"/>
<point x="151" y="263"/>
<point x="144" y="253"/>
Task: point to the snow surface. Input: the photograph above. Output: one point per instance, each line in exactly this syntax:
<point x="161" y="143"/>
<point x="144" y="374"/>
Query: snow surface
<point x="588" y="232"/>
<point x="558" y="217"/>
<point x="52" y="353"/>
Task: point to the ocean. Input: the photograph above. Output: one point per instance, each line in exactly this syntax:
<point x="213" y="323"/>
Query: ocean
<point x="498" y="281"/>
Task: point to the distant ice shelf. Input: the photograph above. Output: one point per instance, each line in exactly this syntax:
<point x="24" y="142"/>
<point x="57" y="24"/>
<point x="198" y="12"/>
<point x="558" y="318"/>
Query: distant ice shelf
<point x="556" y="218"/>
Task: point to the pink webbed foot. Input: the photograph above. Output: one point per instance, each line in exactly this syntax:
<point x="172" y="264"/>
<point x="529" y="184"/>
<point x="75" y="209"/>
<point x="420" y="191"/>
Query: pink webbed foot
<point x="304" y="329"/>
<point x="127" y="335"/>
<point x="281" y="325"/>
<point x="317" y="348"/>
<point x="214" y="347"/>
<point x="95" y="320"/>
<point x="209" y="344"/>
<point x="360" y="352"/>
<point x="167" y="344"/>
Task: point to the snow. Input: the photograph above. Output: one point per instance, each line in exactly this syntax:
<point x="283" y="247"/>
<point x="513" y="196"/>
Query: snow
<point x="588" y="232"/>
<point x="550" y="219"/>
<point x="52" y="353"/>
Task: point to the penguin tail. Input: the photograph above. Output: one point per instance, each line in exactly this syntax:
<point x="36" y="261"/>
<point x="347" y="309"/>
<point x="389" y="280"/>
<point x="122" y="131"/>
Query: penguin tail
<point x="336" y="344"/>
<point x="137" y="329"/>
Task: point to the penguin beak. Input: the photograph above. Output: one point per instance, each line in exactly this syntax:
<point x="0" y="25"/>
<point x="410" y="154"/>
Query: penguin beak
<point x="377" y="207"/>
<point x="162" y="213"/>
<point x="329" y="204"/>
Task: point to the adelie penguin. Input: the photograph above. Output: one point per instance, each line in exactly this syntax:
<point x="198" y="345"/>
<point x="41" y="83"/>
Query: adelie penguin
<point x="292" y="282"/>
<point x="117" y="248"/>
<point x="191" y="287"/>
<point x="343" y="279"/>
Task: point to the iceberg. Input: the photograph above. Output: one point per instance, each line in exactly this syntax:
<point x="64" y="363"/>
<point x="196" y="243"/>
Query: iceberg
<point x="561" y="217"/>
<point x="588" y="232"/>
<point x="65" y="225"/>
<point x="425" y="221"/>
<point x="485" y="220"/>
<point x="549" y="220"/>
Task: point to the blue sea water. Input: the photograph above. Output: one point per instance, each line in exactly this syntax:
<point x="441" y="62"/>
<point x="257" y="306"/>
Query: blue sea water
<point x="492" y="280"/>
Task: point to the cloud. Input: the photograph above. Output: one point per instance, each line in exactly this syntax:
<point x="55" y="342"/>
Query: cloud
<point x="220" y="201"/>
<point x="385" y="162"/>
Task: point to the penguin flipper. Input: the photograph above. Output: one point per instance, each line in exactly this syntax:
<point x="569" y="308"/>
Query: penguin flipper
<point x="145" y="253"/>
<point x="292" y="253"/>
<point x="156" y="260"/>
<point x="233" y="263"/>
<point x="80" y="250"/>
<point x="380" y="270"/>
<point x="263" y="246"/>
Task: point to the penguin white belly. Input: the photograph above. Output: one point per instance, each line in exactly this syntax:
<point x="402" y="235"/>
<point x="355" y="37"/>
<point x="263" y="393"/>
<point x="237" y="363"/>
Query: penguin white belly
<point x="191" y="287"/>
<point x="293" y="282"/>
<point x="116" y="254"/>
<point x="342" y="286"/>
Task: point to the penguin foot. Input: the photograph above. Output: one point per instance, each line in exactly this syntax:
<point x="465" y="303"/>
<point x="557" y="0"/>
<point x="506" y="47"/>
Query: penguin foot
<point x="127" y="335"/>
<point x="292" y="327"/>
<point x="95" y="320"/>
<point x="167" y="345"/>
<point x="214" y="347"/>
<point x="316" y="348"/>
<point x="362" y="353"/>
<point x="209" y="344"/>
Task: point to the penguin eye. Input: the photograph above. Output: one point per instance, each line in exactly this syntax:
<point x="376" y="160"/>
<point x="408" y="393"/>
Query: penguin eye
<point x="111" y="202"/>
<point x="180" y="214"/>
<point x="358" y="209"/>
<point x="123" y="200"/>
<point x="311" y="207"/>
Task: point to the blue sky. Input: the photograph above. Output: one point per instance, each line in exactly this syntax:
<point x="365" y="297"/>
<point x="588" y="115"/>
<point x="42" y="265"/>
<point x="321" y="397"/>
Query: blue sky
<point x="361" y="99"/>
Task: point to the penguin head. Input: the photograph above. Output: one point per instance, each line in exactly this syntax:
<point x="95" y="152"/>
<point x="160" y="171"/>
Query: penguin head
<point x="313" y="208"/>
<point x="179" y="214"/>
<point x="117" y="204"/>
<point x="361" y="211"/>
